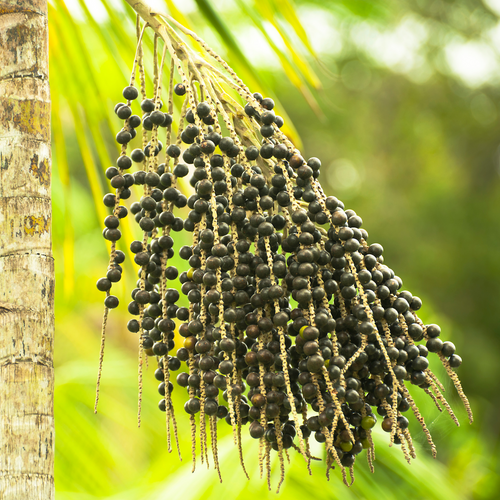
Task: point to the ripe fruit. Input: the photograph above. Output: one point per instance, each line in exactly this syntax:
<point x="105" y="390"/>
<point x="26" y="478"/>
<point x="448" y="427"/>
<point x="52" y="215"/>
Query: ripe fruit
<point x="292" y="322"/>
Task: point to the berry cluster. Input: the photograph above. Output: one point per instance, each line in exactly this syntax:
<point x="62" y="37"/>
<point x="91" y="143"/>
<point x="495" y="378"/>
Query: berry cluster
<point x="295" y="325"/>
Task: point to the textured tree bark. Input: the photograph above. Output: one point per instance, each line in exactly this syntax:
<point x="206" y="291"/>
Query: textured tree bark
<point x="26" y="263"/>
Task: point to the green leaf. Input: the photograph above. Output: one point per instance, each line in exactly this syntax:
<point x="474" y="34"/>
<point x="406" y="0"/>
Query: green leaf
<point x="295" y="76"/>
<point x="288" y="10"/>
<point x="270" y="13"/>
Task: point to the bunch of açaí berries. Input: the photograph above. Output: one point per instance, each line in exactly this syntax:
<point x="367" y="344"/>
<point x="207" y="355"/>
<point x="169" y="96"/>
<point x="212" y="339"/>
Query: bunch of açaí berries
<point x="293" y="324"/>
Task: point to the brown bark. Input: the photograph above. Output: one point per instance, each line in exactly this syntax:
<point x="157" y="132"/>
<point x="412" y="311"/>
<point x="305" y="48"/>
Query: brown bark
<point x="26" y="263"/>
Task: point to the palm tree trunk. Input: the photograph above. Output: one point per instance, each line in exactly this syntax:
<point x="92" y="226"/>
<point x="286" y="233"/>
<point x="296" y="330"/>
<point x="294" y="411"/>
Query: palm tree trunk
<point x="26" y="263"/>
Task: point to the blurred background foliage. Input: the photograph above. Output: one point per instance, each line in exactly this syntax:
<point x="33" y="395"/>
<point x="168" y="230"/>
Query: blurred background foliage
<point x="400" y="100"/>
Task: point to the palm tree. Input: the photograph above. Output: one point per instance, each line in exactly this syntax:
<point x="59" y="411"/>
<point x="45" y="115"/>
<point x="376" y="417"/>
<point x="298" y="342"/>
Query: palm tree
<point x="26" y="263"/>
<point x="91" y="53"/>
